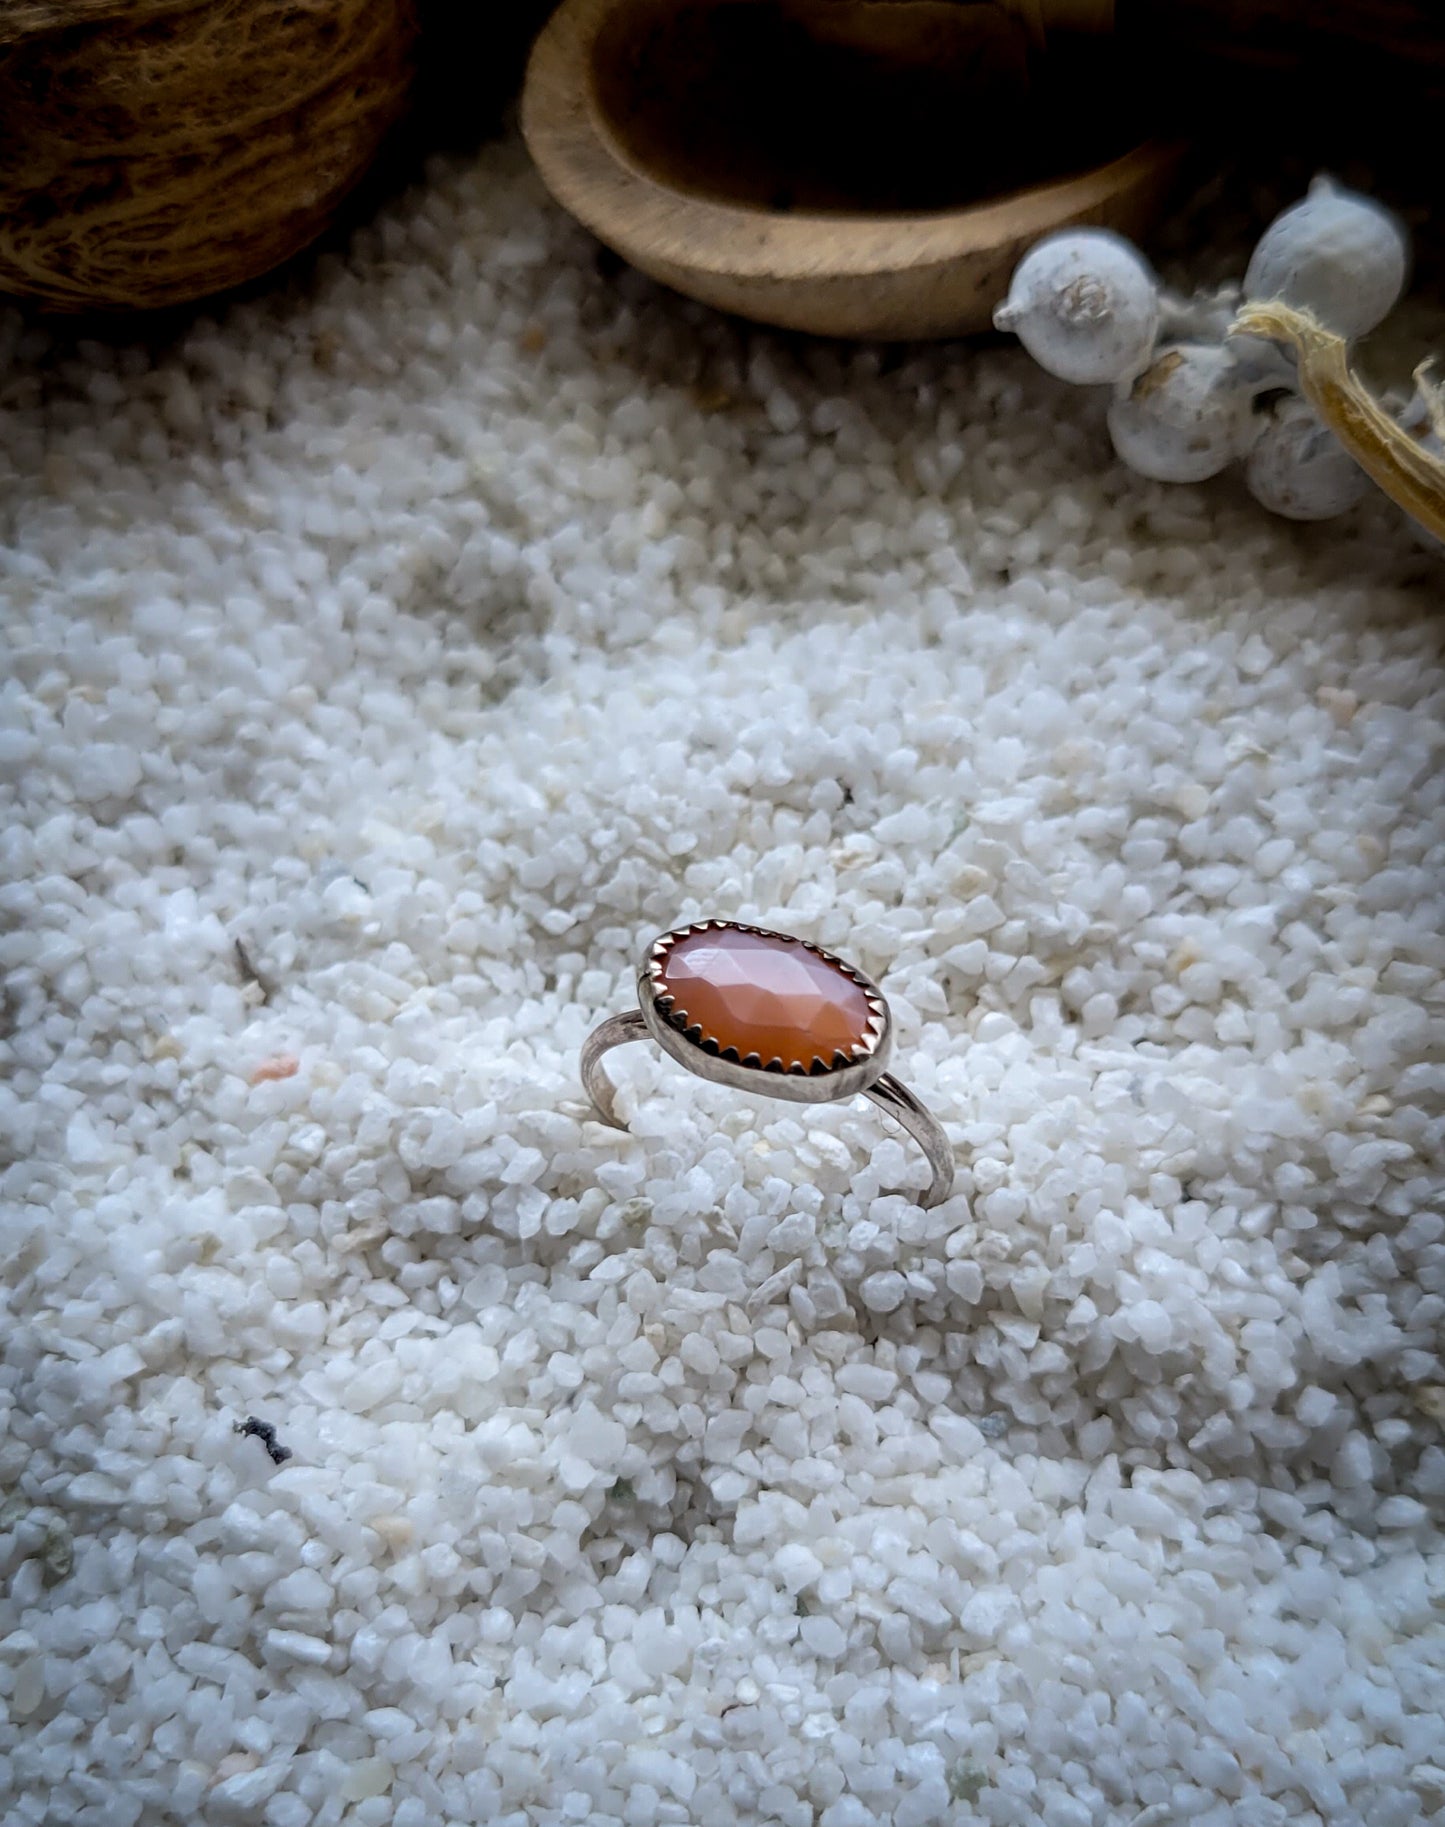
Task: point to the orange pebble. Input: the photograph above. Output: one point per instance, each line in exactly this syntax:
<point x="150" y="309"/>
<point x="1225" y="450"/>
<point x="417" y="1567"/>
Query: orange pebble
<point x="284" y="1065"/>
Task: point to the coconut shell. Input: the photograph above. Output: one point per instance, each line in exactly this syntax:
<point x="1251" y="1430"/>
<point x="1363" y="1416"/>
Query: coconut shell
<point x="157" y="151"/>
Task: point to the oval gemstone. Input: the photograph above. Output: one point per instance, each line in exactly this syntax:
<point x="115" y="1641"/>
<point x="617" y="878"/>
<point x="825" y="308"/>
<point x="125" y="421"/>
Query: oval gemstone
<point x="765" y="998"/>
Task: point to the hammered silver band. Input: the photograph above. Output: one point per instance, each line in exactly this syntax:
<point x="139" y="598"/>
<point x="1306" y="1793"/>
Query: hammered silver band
<point x="655" y="1019"/>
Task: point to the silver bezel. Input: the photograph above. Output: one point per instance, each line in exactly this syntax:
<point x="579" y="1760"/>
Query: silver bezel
<point x="703" y="1057"/>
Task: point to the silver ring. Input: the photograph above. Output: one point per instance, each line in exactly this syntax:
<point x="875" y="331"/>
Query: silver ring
<point x="766" y="1012"/>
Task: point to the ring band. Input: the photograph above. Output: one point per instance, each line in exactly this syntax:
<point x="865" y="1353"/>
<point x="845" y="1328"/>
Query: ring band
<point x="766" y="1012"/>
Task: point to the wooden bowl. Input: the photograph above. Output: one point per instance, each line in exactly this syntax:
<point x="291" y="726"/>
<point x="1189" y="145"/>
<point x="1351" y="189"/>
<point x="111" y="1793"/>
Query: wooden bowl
<point x="861" y="168"/>
<point x="155" y="151"/>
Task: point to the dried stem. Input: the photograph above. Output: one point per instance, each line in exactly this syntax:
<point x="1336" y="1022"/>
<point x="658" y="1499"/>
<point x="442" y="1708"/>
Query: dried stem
<point x="1409" y="473"/>
<point x="1432" y="395"/>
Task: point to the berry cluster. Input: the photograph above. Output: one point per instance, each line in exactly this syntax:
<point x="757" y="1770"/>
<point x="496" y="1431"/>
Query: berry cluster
<point x="1189" y="397"/>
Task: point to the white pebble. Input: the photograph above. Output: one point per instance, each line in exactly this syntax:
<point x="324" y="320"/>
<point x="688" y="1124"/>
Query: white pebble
<point x="824" y="1636"/>
<point x="367" y="1777"/>
<point x="797" y="1566"/>
<point x="298" y="1646"/>
<point x="883" y="1292"/>
<point x="303" y="1590"/>
<point x="700" y="1354"/>
<point x="660" y="1649"/>
<point x="984" y="1614"/>
<point x="248" y="1789"/>
<point x="871" y="1381"/>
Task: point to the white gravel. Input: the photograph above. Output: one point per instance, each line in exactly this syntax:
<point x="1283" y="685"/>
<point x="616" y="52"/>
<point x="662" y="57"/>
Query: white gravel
<point x="441" y="627"/>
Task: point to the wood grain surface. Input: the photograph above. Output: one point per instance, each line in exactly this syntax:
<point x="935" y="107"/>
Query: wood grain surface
<point x="627" y="119"/>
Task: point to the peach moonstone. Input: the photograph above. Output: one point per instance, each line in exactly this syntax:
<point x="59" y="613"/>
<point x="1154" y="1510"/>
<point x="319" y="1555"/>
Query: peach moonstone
<point x="765" y="997"/>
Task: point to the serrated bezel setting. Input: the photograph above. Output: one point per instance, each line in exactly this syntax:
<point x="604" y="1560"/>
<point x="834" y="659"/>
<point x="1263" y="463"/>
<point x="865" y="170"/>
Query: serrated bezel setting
<point x="819" y="1082"/>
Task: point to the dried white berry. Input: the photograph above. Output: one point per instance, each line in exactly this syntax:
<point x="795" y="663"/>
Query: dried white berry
<point x="1186" y="417"/>
<point x="1299" y="469"/>
<point x="1337" y="255"/>
<point x="1085" y="306"/>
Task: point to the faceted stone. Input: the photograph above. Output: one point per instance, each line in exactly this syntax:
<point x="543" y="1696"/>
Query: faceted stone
<point x="765" y="997"/>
